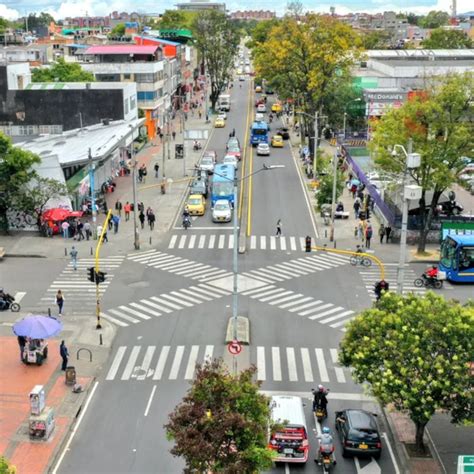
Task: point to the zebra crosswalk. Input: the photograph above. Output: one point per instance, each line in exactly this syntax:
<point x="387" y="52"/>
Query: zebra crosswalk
<point x="165" y="303"/>
<point x="226" y="242"/>
<point x="278" y="364"/>
<point x="301" y="305"/>
<point x="372" y="274"/>
<point x="79" y="293"/>
<point x="178" y="265"/>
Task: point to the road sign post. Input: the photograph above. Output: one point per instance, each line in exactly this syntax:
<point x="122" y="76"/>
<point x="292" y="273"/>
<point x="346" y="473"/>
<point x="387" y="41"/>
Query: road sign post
<point x="234" y="347"/>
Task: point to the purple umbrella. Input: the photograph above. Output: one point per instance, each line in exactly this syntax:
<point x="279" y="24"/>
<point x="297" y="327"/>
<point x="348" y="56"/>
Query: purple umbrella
<point x="38" y="327"/>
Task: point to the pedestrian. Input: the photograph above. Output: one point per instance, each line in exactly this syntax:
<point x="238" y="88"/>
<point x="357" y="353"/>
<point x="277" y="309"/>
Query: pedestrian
<point x="22" y="344"/>
<point x="151" y="220"/>
<point x="85" y="208"/>
<point x="60" y="301"/>
<point x="173" y="134"/>
<point x="116" y="222"/>
<point x="118" y="207"/>
<point x="80" y="229"/>
<point x="368" y="235"/>
<point x="141" y="207"/>
<point x="353" y="190"/>
<point x="200" y="114"/>
<point x="381" y="232"/>
<point x="356" y="208"/>
<point x="144" y="172"/>
<point x="110" y="223"/>
<point x="87" y="230"/>
<point x="233" y="132"/>
<point x="161" y="136"/>
<point x="388" y="231"/>
<point x="127" y="208"/>
<point x="141" y="218"/>
<point x="65" y="228"/>
<point x="105" y="207"/>
<point x="140" y="174"/>
<point x="278" y="232"/>
<point x="73" y="254"/>
<point x="360" y="231"/>
<point x="64" y="353"/>
<point x="157" y="169"/>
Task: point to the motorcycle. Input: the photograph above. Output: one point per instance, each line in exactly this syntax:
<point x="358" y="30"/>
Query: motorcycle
<point x="428" y="282"/>
<point x="326" y="461"/>
<point x="197" y="146"/>
<point x="320" y="412"/>
<point x="9" y="303"/>
<point x="186" y="222"/>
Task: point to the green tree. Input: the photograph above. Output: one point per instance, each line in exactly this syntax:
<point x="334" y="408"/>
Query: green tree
<point x="324" y="192"/>
<point x="221" y="424"/>
<point x="415" y="353"/>
<point x="260" y="32"/>
<point x="376" y="39"/>
<point x="412" y="18"/>
<point x="216" y="39"/>
<point x="441" y="38"/>
<point x="434" y="19"/>
<point x="34" y="20"/>
<point x="117" y="31"/>
<point x="440" y="124"/>
<point x="61" y="71"/>
<point x="177" y="19"/>
<point x="6" y="467"/>
<point x="16" y="171"/>
<point x="4" y="25"/>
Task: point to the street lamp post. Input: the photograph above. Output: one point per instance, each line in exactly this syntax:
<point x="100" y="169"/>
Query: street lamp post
<point x="409" y="192"/>
<point x="316" y="118"/>
<point x="358" y="99"/>
<point x="136" y="239"/>
<point x="333" y="202"/>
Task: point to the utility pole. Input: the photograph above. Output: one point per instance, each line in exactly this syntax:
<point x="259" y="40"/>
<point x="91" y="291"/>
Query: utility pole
<point x="92" y="191"/>
<point x="316" y="138"/>
<point x="184" y="143"/>
<point x="136" y="240"/>
<point x="163" y="143"/>
<point x="333" y="202"/>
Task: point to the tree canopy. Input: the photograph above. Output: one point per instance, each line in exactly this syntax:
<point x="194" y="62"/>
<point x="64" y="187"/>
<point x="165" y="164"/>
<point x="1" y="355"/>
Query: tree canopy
<point x="434" y="19"/>
<point x="439" y="122"/>
<point x="177" y="19"/>
<point x="415" y="352"/>
<point x="35" y="20"/>
<point x="118" y="30"/>
<point x="61" y="71"/>
<point x="221" y="424"/>
<point x="216" y="38"/>
<point x="440" y="38"/>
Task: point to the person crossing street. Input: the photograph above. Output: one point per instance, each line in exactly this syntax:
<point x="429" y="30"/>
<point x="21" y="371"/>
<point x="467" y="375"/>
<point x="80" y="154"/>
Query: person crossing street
<point x="73" y="254"/>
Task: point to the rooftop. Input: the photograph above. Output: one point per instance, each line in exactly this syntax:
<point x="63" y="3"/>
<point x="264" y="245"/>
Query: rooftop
<point x="122" y="49"/>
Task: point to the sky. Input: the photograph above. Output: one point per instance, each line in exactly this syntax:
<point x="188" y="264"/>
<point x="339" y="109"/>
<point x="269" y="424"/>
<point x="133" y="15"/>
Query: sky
<point x="59" y="9"/>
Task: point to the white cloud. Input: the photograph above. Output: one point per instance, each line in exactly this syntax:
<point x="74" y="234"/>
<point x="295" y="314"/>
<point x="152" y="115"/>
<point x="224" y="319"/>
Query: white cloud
<point x="8" y="13"/>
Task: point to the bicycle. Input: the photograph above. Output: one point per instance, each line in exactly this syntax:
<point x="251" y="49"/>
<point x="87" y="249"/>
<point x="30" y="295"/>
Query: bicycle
<point x="360" y="260"/>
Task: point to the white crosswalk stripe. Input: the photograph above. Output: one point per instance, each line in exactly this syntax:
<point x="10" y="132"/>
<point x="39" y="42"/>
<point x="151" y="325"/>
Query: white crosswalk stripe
<point x="165" y="303"/>
<point x="306" y="306"/>
<point x="178" y="265"/>
<point x="79" y="293"/>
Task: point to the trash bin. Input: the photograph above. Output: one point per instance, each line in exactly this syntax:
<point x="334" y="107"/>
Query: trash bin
<point x="70" y="375"/>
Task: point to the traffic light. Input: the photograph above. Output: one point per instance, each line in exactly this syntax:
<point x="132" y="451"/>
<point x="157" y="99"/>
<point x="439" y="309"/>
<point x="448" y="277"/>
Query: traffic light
<point x="91" y="274"/>
<point x="100" y="277"/>
<point x="308" y="243"/>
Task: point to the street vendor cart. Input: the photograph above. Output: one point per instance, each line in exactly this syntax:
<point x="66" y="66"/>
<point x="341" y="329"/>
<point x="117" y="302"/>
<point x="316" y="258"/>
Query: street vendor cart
<point x="35" y="351"/>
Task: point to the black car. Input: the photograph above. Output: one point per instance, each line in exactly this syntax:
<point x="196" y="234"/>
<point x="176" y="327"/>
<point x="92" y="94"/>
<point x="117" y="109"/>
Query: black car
<point x="358" y="432"/>
<point x="199" y="186"/>
<point x="284" y="132"/>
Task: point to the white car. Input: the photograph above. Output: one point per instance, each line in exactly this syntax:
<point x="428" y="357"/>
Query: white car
<point x="222" y="211"/>
<point x="261" y="108"/>
<point x="231" y="160"/>
<point x="259" y="117"/>
<point x="241" y="78"/>
<point x="222" y="115"/>
<point x="247" y="61"/>
<point x="263" y="149"/>
<point x="207" y="164"/>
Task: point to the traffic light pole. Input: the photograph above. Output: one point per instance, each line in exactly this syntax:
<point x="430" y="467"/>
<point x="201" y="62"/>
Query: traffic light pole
<point x="97" y="251"/>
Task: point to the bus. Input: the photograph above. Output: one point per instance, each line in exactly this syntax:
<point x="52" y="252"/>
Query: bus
<point x="223" y="183"/>
<point x="258" y="133"/>
<point x="457" y="258"/>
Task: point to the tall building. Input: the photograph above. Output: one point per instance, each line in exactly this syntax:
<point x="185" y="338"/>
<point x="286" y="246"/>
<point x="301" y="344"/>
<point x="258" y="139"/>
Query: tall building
<point x="199" y="5"/>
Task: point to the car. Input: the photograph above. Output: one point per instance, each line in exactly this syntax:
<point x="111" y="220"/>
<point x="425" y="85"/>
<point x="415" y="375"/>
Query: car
<point x="358" y="433"/>
<point x="207" y="164"/>
<point x="262" y="108"/>
<point x="247" y="61"/>
<point x="259" y="117"/>
<point x="231" y="160"/>
<point x="199" y="186"/>
<point x="247" y="69"/>
<point x="234" y="150"/>
<point x="222" y="212"/>
<point x="277" y="141"/>
<point x="210" y="153"/>
<point x="269" y="91"/>
<point x="219" y="123"/>
<point x="258" y="89"/>
<point x="259" y="101"/>
<point x="263" y="149"/>
<point x="222" y="115"/>
<point x="233" y="141"/>
<point x="284" y="133"/>
<point x="277" y="107"/>
<point x="241" y="78"/>
<point x="196" y="204"/>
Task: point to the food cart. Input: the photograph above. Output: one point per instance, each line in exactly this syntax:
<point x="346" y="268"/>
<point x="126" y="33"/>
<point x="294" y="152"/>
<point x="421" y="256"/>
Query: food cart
<point x="35" y="351"/>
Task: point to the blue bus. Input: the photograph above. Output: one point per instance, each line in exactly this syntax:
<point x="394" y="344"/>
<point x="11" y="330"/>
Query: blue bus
<point x="258" y="133"/>
<point x="223" y="183"/>
<point x="457" y="258"/>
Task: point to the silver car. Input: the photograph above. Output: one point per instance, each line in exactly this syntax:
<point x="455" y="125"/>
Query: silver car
<point x="207" y="164"/>
<point x="263" y="149"/>
<point x="231" y="160"/>
<point x="222" y="211"/>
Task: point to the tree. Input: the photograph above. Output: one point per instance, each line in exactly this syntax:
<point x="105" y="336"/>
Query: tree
<point x="440" y="124"/>
<point x="217" y="40"/>
<point x="6" y="467"/>
<point x="295" y="8"/>
<point x="324" y="192"/>
<point x="178" y="19"/>
<point x="61" y="71"/>
<point x="16" y="170"/>
<point x="117" y="31"/>
<point x="378" y="39"/>
<point x="441" y="38"/>
<point x="34" y="21"/>
<point x="221" y="424"/>
<point x="434" y="19"/>
<point x="412" y="18"/>
<point x="35" y="195"/>
<point x="415" y="352"/>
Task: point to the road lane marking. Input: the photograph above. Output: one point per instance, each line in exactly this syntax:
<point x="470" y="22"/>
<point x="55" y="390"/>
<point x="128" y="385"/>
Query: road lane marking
<point x="323" y="371"/>
<point x="392" y="455"/>
<point x="208" y="353"/>
<point x="290" y="357"/>
<point x="150" y="399"/>
<point x="293" y="243"/>
<point x="261" y="370"/>
<point x="212" y="240"/>
<point x="191" y="363"/>
<point x="359" y="397"/>
<point x="307" y="305"/>
<point x="276" y="363"/>
<point x="182" y="241"/>
<point x="271" y="297"/>
<point x="131" y="363"/>
<point x="325" y="313"/>
<point x="221" y="243"/>
<point x="292" y="303"/>
<point x="167" y="303"/>
<point x="19" y="295"/>
<point x="123" y="316"/>
<point x="178" y="355"/>
<point x="160" y="366"/>
<point x="319" y="308"/>
<point x="231" y="242"/>
<point x="192" y="240"/>
<point x="113" y="320"/>
<point x="150" y="350"/>
<point x="116" y="363"/>
<point x="157" y="306"/>
<point x="340" y="377"/>
<point x="282" y="243"/>
<point x="253" y="242"/>
<point x="307" y="371"/>
<point x="173" y="241"/>
<point x="202" y="240"/>
<point x="263" y="242"/>
<point x="287" y="298"/>
<point x="272" y="242"/>
<point x="338" y="316"/>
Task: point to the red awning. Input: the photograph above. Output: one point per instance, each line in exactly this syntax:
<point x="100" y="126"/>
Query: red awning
<point x="59" y="214"/>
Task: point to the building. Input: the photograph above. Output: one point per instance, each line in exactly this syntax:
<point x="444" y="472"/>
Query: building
<point x="144" y="65"/>
<point x="200" y="5"/>
<point x="34" y="54"/>
<point x="31" y="109"/>
<point x="252" y="15"/>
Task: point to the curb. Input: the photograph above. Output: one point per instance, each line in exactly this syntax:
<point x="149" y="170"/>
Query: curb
<point x="23" y="255"/>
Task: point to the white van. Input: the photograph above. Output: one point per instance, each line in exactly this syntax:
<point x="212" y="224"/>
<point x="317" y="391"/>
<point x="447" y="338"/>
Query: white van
<point x="290" y="443"/>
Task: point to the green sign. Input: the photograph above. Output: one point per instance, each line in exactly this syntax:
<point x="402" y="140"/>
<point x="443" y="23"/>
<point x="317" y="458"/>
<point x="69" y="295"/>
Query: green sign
<point x="456" y="228"/>
<point x="465" y="464"/>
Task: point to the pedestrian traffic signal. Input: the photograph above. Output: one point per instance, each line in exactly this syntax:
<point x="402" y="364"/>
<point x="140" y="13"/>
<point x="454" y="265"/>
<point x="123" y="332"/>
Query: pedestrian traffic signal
<point x="308" y="243"/>
<point x="100" y="277"/>
<point x="91" y="274"/>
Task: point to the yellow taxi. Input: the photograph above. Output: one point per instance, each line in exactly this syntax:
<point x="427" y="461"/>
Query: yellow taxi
<point x="277" y="107"/>
<point x="196" y="205"/>
<point x="277" y="141"/>
<point x="258" y="88"/>
<point x="219" y="123"/>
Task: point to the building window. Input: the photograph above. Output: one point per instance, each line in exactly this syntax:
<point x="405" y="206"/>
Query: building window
<point x="127" y="77"/>
<point x="125" y="104"/>
<point x="133" y="102"/>
<point x="146" y="95"/>
<point x="108" y="77"/>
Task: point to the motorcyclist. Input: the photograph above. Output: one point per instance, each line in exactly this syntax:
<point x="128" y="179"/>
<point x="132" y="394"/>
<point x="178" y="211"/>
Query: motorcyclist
<point x="432" y="274"/>
<point x="270" y="117"/>
<point x="320" y="399"/>
<point x="326" y="446"/>
<point x="186" y="216"/>
<point x="340" y="207"/>
<point x="380" y="286"/>
<point x="3" y="299"/>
